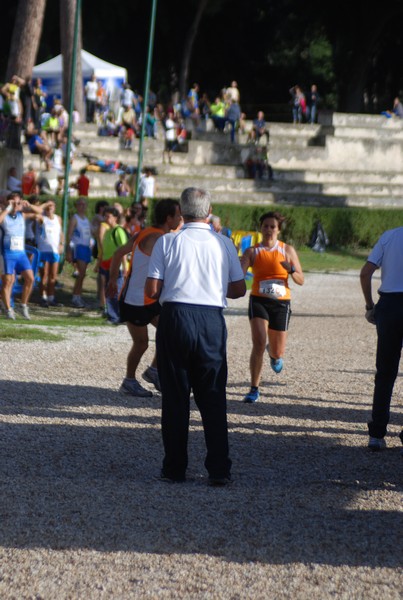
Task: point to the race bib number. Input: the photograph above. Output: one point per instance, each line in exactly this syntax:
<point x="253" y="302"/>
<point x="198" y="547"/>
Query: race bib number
<point x="272" y="288"/>
<point x="16" y="243"/>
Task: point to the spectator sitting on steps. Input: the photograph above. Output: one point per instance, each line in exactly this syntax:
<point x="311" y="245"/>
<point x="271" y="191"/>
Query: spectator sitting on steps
<point x="259" y="129"/>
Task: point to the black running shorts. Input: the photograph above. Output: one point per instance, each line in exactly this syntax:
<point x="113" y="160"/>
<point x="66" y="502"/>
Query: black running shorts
<point x="276" y="312"/>
<point x="138" y="315"/>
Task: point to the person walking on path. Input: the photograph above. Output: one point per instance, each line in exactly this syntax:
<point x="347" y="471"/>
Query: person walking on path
<point x="387" y="315"/>
<point x="192" y="272"/>
<point x="272" y="262"/>
<point x="137" y="310"/>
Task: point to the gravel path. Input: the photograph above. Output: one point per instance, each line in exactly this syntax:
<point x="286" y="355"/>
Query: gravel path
<point x="311" y="514"/>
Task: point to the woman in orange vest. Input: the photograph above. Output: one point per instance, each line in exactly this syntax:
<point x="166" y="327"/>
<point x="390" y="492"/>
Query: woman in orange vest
<point x="272" y="262"/>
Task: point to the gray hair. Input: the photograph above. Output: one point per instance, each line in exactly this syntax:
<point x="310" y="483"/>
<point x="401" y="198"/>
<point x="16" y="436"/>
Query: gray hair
<point x="195" y="203"/>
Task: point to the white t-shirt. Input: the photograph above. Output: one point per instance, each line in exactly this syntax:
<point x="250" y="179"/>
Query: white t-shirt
<point x="127" y="97"/>
<point x="91" y="90"/>
<point x="388" y="254"/>
<point x="147" y="186"/>
<point x="170" y="130"/>
<point x="196" y="265"/>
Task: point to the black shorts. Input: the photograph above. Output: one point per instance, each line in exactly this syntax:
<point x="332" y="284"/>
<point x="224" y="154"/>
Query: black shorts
<point x="170" y="144"/>
<point x="276" y="312"/>
<point x="138" y="315"/>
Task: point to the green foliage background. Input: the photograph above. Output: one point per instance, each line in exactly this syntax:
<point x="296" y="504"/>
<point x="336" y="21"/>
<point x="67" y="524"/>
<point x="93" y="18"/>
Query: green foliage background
<point x="346" y="227"/>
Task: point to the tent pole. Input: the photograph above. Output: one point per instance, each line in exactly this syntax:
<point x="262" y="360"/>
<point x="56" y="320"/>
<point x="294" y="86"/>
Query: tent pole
<point x="65" y="204"/>
<point x="145" y="97"/>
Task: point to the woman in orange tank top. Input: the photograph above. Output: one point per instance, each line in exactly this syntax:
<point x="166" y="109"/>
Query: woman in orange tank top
<point x="272" y="262"/>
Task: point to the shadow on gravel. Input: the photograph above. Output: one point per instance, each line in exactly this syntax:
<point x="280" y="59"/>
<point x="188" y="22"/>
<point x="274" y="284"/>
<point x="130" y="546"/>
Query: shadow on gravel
<point x="83" y="484"/>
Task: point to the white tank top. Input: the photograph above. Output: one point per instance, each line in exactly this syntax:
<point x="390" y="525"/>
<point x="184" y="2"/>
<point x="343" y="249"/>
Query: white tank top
<point x="49" y="239"/>
<point x="82" y="232"/>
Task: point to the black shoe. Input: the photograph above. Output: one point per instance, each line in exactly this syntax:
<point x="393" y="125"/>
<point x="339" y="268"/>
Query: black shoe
<point x="219" y="481"/>
<point x="164" y="477"/>
<point x="55" y="303"/>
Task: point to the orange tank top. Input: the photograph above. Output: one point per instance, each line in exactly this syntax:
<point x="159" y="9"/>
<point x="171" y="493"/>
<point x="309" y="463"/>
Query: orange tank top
<point x="133" y="288"/>
<point x="270" y="278"/>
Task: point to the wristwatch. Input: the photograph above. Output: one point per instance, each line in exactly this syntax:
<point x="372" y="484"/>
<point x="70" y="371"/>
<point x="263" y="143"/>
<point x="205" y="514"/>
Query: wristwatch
<point x="292" y="270"/>
<point x="369" y="307"/>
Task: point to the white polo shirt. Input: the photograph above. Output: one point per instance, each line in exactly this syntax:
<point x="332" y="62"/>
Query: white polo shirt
<point x="196" y="265"/>
<point x="388" y="254"/>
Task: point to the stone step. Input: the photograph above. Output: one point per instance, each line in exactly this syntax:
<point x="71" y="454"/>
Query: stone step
<point x="288" y="198"/>
<point x="279" y="187"/>
<point x="182" y="167"/>
<point x="360" y="165"/>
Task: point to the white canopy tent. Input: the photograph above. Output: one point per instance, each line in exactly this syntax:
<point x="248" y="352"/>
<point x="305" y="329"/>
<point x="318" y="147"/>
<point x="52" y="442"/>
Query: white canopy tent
<point x="51" y="73"/>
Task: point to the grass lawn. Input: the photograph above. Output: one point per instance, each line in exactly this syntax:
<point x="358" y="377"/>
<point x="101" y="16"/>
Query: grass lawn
<point x="332" y="260"/>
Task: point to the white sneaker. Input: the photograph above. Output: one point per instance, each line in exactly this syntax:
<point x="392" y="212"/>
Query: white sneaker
<point x="25" y="313"/>
<point x="10" y="314"/>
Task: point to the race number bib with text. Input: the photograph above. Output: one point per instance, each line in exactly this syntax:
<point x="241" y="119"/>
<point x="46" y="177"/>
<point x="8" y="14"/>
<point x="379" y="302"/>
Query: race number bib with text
<point x="272" y="288"/>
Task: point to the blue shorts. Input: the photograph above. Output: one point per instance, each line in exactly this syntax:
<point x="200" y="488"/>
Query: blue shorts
<point x="82" y="253"/>
<point x="15" y="262"/>
<point x="49" y="257"/>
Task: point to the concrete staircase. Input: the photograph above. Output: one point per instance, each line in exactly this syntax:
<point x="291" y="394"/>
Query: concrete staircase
<point x="345" y="160"/>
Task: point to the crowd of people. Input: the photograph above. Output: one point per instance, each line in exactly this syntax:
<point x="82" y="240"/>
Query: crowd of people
<point x="176" y="275"/>
<point x="35" y="225"/>
<point x="23" y="103"/>
<point x="123" y="119"/>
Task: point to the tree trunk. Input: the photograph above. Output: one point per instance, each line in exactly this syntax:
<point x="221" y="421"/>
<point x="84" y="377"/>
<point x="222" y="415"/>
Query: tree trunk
<point x="67" y="18"/>
<point x="26" y="37"/>
<point x="354" y="54"/>
<point x="188" y="47"/>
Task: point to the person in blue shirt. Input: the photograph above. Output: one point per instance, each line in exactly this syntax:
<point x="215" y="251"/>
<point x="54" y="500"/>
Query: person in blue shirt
<point x="37" y="145"/>
<point x="14" y="260"/>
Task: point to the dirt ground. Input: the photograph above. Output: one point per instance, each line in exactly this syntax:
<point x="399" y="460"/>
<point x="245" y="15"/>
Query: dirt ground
<point x="311" y="513"/>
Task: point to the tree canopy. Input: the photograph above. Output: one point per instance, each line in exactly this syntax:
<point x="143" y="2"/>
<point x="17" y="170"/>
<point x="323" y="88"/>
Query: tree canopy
<point x="349" y="51"/>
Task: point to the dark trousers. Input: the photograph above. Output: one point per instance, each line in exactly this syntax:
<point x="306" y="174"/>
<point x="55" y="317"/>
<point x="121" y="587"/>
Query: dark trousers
<point x="191" y="354"/>
<point x="90" y="106"/>
<point x="389" y="326"/>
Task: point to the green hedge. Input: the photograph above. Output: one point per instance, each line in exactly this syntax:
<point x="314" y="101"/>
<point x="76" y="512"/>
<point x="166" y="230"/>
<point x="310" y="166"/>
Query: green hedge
<point x="345" y="227"/>
<point x="125" y="202"/>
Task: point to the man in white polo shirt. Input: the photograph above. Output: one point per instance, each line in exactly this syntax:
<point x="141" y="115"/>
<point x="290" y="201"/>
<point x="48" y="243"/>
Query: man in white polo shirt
<point x="387" y="315"/>
<point x="192" y="273"/>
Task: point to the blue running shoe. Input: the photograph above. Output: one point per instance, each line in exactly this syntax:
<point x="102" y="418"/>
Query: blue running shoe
<point x="276" y="364"/>
<point x="252" y="396"/>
